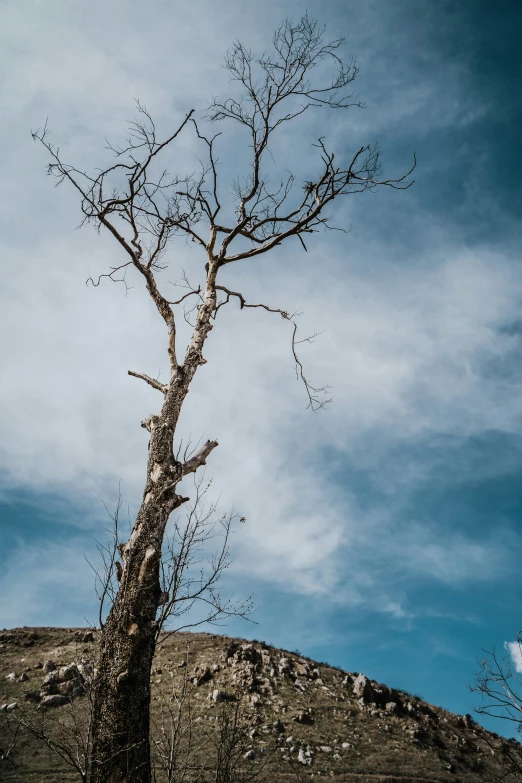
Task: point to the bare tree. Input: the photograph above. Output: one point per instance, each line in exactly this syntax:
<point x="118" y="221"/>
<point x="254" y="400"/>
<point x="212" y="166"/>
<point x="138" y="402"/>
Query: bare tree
<point x="499" y="685"/>
<point x="66" y="734"/>
<point x="143" y="215"/>
<point x="191" y="574"/>
<point x="194" y="558"/>
<point x="218" y="742"/>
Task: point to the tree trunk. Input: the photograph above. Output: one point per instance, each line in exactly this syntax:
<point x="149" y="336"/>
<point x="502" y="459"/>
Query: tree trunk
<point x="120" y="731"/>
<point x="120" y="749"/>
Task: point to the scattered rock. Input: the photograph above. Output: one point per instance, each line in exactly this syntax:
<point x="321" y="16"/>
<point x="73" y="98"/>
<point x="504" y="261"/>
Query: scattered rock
<point x="249" y="755"/>
<point x="11" y="677"/>
<point x="12" y="706"/>
<point x="302" y="669"/>
<point x="54" y="700"/>
<point x="69" y="672"/>
<point x="86" y="670"/>
<point x="251" y="654"/>
<point x="23" y="677"/>
<point x="284" y="666"/>
<point x="66" y="687"/>
<point x="381" y="695"/>
<point x="347" y="746"/>
<point x="32" y="696"/>
<point x="266" y="658"/>
<point x="255" y="700"/>
<point x="363" y="690"/>
<point x="264" y="686"/>
<point x="51" y="679"/>
<point x="244" y="676"/>
<point x="245" y="653"/>
<point x="201" y="675"/>
<point x="217" y="696"/>
<point x="48" y="666"/>
<point x="231" y="650"/>
<point x="67" y="681"/>
<point x="391" y="706"/>
<point x="306" y="717"/>
<point x="304" y="758"/>
<point x="88" y="636"/>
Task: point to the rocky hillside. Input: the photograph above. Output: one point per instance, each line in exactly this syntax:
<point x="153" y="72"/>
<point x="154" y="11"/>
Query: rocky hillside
<point x="284" y="717"/>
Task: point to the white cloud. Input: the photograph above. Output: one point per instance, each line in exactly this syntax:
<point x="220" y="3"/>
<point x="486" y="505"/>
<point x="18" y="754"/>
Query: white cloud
<point x="406" y="345"/>
<point x="516" y="654"/>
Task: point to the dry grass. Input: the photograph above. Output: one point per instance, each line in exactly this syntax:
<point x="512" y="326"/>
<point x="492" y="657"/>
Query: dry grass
<point x="418" y="742"/>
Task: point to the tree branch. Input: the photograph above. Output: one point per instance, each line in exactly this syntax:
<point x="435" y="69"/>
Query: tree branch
<point x="151" y="381"/>
<point x="199" y="459"/>
<point x="316" y="395"/>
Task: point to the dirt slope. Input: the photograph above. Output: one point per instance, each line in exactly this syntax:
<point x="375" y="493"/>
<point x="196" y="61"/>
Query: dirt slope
<point x="304" y="719"/>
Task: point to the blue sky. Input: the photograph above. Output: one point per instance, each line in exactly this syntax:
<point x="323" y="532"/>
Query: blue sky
<point x="383" y="535"/>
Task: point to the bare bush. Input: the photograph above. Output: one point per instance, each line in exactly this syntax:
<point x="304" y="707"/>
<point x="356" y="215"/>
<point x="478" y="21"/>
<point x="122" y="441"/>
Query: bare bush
<point x="499" y="686"/>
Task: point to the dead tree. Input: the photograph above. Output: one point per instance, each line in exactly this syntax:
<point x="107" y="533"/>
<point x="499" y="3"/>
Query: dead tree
<point x="143" y="215"/>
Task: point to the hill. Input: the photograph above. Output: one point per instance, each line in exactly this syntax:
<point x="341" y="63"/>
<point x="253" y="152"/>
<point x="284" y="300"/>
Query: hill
<point x="278" y="714"/>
